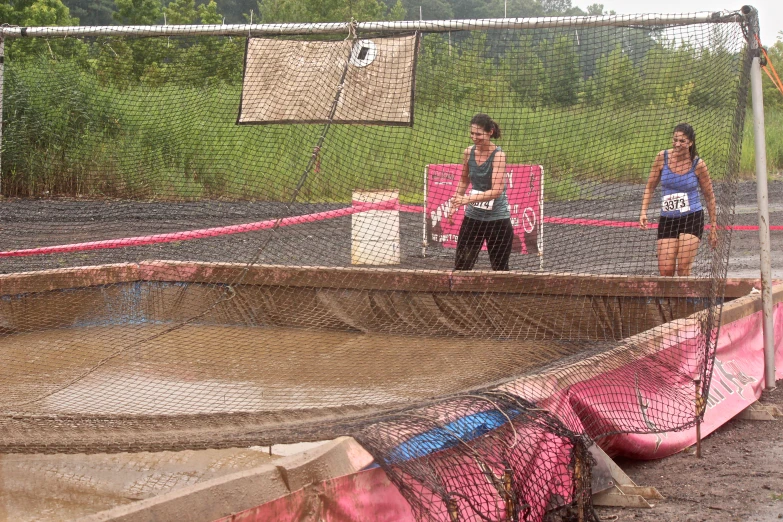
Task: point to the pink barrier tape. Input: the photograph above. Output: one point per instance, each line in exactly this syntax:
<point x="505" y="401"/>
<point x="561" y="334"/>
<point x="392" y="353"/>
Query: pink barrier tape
<point x="601" y="222"/>
<point x="201" y="233"/>
<point x="593" y="222"/>
<point x="633" y="224"/>
<point x="411" y="208"/>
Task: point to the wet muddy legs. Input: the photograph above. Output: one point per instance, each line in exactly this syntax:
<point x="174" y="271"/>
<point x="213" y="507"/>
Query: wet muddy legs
<point x="676" y="255"/>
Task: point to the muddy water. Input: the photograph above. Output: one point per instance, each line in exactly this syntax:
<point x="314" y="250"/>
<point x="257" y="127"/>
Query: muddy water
<point x="194" y="370"/>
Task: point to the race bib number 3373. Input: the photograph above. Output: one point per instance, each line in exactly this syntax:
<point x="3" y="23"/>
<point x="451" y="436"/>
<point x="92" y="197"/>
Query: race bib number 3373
<point x="676" y="201"/>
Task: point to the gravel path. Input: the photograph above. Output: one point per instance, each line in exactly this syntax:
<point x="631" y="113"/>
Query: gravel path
<point x="567" y="248"/>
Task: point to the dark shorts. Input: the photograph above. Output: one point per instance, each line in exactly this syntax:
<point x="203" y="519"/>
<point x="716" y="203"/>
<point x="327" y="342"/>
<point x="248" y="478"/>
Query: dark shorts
<point x="672" y="227"/>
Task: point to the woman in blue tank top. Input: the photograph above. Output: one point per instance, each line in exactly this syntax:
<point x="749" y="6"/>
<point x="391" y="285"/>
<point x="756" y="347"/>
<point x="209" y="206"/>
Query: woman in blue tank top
<point x="487" y="215"/>
<point x="682" y="175"/>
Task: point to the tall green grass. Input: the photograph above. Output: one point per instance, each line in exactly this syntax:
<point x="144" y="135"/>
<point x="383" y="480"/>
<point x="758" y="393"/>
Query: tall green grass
<point x="68" y="133"/>
<point x="773" y="131"/>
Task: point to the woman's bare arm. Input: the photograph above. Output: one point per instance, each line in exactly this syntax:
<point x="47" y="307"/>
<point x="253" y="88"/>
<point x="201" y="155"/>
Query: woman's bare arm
<point x="464" y="179"/>
<point x="652" y="181"/>
<point x="459" y="196"/>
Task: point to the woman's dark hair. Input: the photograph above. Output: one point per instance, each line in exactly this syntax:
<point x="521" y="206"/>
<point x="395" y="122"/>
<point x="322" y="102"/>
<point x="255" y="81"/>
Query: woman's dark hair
<point x="686" y="129"/>
<point x="486" y="123"/>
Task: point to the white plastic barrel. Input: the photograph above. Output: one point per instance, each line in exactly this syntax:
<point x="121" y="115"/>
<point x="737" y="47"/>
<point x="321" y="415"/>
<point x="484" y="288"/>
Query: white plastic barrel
<point x="375" y="234"/>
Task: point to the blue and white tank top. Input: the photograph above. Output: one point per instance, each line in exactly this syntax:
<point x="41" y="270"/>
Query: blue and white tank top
<point x="481" y="181"/>
<point x="680" y="191"/>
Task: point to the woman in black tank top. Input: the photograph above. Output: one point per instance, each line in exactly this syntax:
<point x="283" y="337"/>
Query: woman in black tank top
<point x="487" y="218"/>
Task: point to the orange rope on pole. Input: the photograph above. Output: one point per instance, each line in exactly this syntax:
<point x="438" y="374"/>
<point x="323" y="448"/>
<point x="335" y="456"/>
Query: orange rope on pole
<point x="776" y="79"/>
<point x="776" y="84"/>
<point x="774" y="74"/>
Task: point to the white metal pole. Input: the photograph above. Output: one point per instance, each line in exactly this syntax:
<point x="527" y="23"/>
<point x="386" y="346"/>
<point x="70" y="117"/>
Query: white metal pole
<point x="432" y="26"/>
<point x="424" y="217"/>
<point x="541" y="221"/>
<point x="2" y="71"/>
<point x="762" y="196"/>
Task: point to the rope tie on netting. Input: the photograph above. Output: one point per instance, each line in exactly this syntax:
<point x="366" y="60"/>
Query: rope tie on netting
<point x="498" y="408"/>
<point x="111" y="49"/>
<point x="352" y="25"/>
<point x="3" y="27"/>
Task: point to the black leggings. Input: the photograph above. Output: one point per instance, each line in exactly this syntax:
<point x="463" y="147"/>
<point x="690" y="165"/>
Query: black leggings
<point x="499" y="235"/>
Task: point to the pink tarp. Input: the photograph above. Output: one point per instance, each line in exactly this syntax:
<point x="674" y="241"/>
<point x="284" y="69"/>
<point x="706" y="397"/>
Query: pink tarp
<point x="542" y="474"/>
<point x="542" y="477"/>
<point x="637" y="393"/>
<point x="737" y="382"/>
<point x="523" y="189"/>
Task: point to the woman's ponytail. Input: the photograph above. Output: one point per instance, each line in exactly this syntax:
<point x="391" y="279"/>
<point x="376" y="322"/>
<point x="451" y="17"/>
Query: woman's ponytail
<point x="488" y="124"/>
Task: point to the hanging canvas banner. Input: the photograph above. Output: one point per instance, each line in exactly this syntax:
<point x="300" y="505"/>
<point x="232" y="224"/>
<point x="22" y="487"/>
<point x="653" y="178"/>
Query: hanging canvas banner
<point x="295" y="81"/>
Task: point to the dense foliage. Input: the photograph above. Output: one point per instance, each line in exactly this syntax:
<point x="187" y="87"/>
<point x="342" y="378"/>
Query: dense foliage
<point x="106" y="12"/>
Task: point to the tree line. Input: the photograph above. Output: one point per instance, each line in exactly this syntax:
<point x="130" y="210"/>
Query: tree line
<point x="557" y="67"/>
<point x="109" y="12"/>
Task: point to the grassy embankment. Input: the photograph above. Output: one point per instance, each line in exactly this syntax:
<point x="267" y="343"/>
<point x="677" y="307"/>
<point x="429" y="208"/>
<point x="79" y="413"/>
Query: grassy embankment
<point x="171" y="142"/>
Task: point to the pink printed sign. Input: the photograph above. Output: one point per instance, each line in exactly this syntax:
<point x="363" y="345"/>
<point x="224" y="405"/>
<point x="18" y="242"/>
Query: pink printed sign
<point x="737" y="381"/>
<point x="523" y="189"/>
<point x="638" y="393"/>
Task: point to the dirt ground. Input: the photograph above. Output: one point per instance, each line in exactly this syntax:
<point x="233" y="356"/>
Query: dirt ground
<point x="738" y="478"/>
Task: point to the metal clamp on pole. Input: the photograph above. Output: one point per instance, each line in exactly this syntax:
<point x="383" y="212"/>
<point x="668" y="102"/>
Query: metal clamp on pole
<point x="762" y="195"/>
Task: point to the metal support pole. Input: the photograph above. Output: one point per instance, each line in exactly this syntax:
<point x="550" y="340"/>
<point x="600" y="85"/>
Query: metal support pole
<point x="429" y="26"/>
<point x="2" y="72"/>
<point x="698" y="403"/>
<point x="424" y="215"/>
<point x="762" y="196"/>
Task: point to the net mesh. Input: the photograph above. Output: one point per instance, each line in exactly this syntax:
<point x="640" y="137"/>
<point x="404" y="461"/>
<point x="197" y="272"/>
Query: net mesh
<point x="484" y="456"/>
<point x="195" y="254"/>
